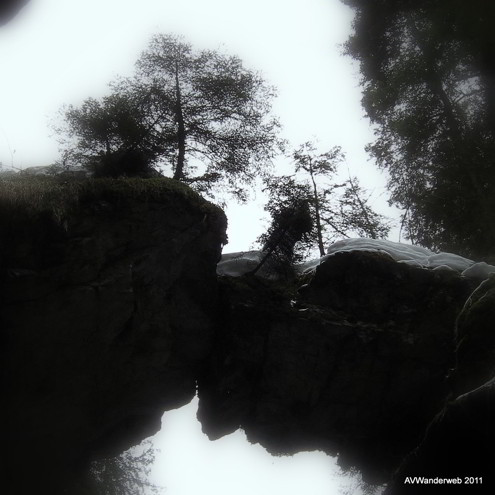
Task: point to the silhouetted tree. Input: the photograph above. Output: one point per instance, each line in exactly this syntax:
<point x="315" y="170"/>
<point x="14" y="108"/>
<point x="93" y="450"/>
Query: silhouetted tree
<point x="201" y="114"/>
<point x="428" y="75"/>
<point x="283" y="244"/>
<point x="116" y="135"/>
<point x="317" y="165"/>
<point x="335" y="210"/>
<point x="339" y="209"/>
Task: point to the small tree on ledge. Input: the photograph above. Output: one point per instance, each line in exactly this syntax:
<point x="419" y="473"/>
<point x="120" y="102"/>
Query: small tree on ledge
<point x="336" y="209"/>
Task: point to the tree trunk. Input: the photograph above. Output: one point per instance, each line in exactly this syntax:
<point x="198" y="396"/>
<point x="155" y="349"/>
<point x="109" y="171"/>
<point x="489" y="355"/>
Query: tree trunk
<point x="369" y="224"/>
<point x="488" y="74"/>
<point x="463" y="149"/>
<point x="319" y="229"/>
<point x="270" y="251"/>
<point x="181" y="129"/>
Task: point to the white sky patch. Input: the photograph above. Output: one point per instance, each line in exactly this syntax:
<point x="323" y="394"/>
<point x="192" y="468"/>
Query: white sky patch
<point x="60" y="52"/>
<point x="231" y="465"/>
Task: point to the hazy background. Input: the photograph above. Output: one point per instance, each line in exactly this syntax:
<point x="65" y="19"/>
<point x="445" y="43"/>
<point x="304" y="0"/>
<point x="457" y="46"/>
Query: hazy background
<point x="62" y="51"/>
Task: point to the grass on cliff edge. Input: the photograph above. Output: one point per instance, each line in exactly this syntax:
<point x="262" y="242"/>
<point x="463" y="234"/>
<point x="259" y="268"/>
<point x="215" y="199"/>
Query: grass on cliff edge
<point x="24" y="197"/>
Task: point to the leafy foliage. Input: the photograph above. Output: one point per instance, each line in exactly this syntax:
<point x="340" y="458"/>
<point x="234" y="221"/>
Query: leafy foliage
<point x="428" y="75"/>
<point x="353" y="483"/>
<point x="114" y="136"/>
<point x="339" y="209"/>
<point x="289" y="234"/>
<point x="336" y="209"/>
<point x="127" y="474"/>
<point x="200" y="114"/>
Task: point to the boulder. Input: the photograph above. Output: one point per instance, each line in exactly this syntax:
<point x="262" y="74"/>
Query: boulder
<point x="354" y="364"/>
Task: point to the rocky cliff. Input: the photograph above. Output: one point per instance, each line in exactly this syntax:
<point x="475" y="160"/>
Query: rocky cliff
<point x="458" y="444"/>
<point x="354" y="363"/>
<point x="108" y="297"/>
<point x="111" y="313"/>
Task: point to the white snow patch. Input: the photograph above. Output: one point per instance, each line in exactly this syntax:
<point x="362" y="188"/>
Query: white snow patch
<point x="236" y="264"/>
<point x="454" y="261"/>
<point x="411" y="263"/>
<point x="443" y="268"/>
<point x="398" y="251"/>
<point x="309" y="266"/>
<point x="416" y="256"/>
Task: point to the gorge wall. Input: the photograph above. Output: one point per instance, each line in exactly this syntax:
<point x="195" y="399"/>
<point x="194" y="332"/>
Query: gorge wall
<point x="111" y="313"/>
<point x="354" y="363"/>
<point x="106" y="316"/>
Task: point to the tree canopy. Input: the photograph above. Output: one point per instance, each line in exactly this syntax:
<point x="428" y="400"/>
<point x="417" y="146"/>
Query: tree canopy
<point x="201" y="115"/>
<point x="116" y="135"/>
<point x="428" y="75"/>
<point x="289" y="233"/>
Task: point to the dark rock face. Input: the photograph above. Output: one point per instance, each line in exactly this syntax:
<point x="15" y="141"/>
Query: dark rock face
<point x="458" y="445"/>
<point x="459" y="441"/>
<point x="112" y="314"/>
<point x="372" y="287"/>
<point x="356" y="365"/>
<point x="476" y="339"/>
<point x="105" y="322"/>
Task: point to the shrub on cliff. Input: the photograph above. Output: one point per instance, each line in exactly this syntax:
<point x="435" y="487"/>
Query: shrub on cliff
<point x="338" y="209"/>
<point x="289" y="230"/>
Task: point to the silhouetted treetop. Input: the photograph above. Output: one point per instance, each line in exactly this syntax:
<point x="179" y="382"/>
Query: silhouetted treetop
<point x="289" y="235"/>
<point x="338" y="208"/>
<point x="200" y="114"/>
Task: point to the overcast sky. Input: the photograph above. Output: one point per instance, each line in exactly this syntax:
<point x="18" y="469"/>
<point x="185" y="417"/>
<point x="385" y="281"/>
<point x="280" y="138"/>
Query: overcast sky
<point x="62" y="51"/>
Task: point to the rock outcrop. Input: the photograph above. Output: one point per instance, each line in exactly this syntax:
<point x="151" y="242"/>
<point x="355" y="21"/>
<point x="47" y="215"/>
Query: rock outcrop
<point x="106" y="315"/>
<point x="111" y="313"/>
<point x="475" y="337"/>
<point x="456" y="449"/>
<point x="356" y="364"/>
<point x="458" y="443"/>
